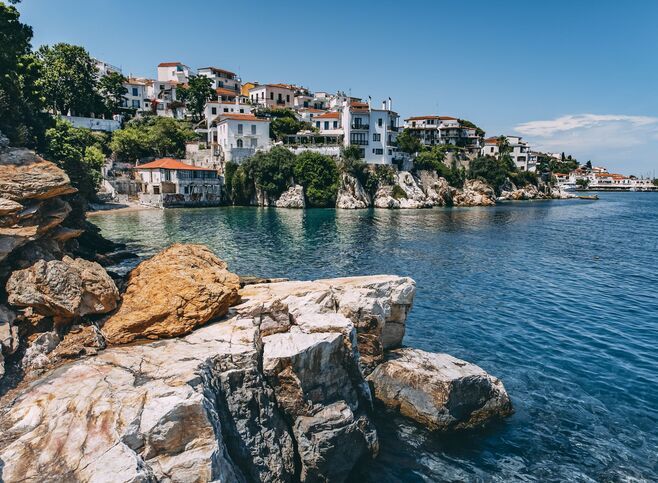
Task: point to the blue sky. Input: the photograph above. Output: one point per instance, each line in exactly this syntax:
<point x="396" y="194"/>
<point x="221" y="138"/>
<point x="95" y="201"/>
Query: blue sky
<point x="572" y="76"/>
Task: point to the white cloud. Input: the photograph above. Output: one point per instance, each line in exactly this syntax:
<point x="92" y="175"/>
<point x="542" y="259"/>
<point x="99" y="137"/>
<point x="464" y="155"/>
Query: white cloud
<point x="624" y="142"/>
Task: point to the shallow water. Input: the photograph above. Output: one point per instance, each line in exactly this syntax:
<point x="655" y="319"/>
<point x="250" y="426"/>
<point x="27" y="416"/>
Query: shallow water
<point x="559" y="299"/>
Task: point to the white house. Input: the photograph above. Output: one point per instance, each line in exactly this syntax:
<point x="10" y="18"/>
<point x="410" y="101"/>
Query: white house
<point x="105" y="68"/>
<point x="307" y="114"/>
<point x="436" y="130"/>
<point x="171" y="182"/>
<point x="520" y="152"/>
<point x="328" y="123"/>
<point x="137" y="96"/>
<point x="374" y="131"/>
<point x="273" y="95"/>
<point x="222" y="79"/>
<point x="174" y="72"/>
<point x="218" y="108"/>
<point x="239" y="136"/>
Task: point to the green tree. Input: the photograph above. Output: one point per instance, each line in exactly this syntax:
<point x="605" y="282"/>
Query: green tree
<point x="504" y="147"/>
<point x="21" y="99"/>
<point x="478" y="131"/>
<point x="152" y="136"/>
<point x="78" y="153"/>
<point x="588" y="165"/>
<point x="113" y="91"/>
<point x="271" y="171"/>
<point x="69" y="79"/>
<point x="582" y="183"/>
<point x="494" y="171"/>
<point x="131" y="144"/>
<point x="408" y="143"/>
<point x="198" y="91"/>
<point x="319" y="176"/>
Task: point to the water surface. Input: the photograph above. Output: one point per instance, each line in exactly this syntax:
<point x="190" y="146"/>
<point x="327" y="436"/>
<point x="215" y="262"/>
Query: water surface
<point x="559" y="299"/>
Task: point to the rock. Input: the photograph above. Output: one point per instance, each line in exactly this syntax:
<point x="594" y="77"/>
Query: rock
<point x="36" y="355"/>
<point x="474" y="193"/>
<point x="528" y="192"/>
<point x="438" y="391"/>
<point x="171" y="294"/>
<point x="292" y="198"/>
<point x="331" y="441"/>
<point x="25" y="175"/>
<point x="202" y="407"/>
<point x="384" y="198"/>
<point x="415" y="197"/>
<point x="436" y="189"/>
<point x="64" y="289"/>
<point x="8" y="206"/>
<point x="351" y="195"/>
<point x="8" y="331"/>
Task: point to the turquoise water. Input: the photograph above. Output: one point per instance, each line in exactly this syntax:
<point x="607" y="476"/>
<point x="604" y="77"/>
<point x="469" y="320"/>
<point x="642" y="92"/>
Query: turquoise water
<point x="559" y="299"/>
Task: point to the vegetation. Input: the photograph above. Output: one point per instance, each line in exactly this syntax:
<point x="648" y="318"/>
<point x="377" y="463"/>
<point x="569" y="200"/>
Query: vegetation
<point x="271" y="171"/>
<point x="151" y="136"/>
<point x="319" y="176"/>
<point x="21" y="101"/>
<point x="491" y="170"/>
<point x="79" y="152"/>
<point x="69" y="78"/>
<point x="198" y="91"/>
<point x="283" y="122"/>
<point x="408" y="143"/>
<point x="478" y="131"/>
<point x="433" y="159"/>
<point x="582" y="183"/>
<point x="113" y="91"/>
<point x="239" y="188"/>
<point x="398" y="193"/>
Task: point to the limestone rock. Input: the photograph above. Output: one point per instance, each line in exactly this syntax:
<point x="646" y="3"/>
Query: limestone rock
<point x="436" y="189"/>
<point x="351" y="195"/>
<point x="292" y="198"/>
<point x="474" y="193"/>
<point x="438" y="390"/>
<point x="8" y="206"/>
<point x="25" y="175"/>
<point x="528" y="192"/>
<point x="415" y="197"/>
<point x="171" y="294"/>
<point x="64" y="289"/>
<point x="384" y="198"/>
<point x="8" y="331"/>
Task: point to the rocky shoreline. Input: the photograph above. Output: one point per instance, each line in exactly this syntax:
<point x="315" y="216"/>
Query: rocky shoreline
<point x="184" y="371"/>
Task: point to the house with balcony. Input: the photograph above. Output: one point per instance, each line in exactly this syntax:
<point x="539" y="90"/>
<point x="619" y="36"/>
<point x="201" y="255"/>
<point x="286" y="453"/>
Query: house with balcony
<point x="171" y="182"/>
<point x="307" y="114"/>
<point x="273" y="95"/>
<point x="328" y="123"/>
<point x="520" y="152"/>
<point x="137" y="95"/>
<point x="442" y="130"/>
<point x="236" y="137"/>
<point x="373" y="131"/>
<point x="222" y="79"/>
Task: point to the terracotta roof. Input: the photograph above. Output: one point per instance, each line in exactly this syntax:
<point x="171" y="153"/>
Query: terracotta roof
<point x="216" y="69"/>
<point x="225" y="92"/>
<point x="281" y="86"/>
<point x="423" y="118"/>
<point x="239" y="117"/>
<point x="311" y="109"/>
<point x="169" y="163"/>
<point x="169" y="64"/>
<point x="491" y="141"/>
<point x="328" y="115"/>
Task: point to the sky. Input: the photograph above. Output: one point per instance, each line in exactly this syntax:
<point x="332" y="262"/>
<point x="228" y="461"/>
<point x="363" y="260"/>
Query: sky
<point x="574" y="76"/>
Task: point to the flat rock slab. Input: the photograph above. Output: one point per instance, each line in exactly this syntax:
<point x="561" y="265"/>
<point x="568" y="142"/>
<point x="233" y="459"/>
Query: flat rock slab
<point x="438" y="391"/>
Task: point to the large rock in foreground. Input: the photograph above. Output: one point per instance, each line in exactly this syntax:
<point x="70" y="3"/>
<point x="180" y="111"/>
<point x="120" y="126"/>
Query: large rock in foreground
<point x="64" y="289"/>
<point x="272" y="393"/>
<point x="171" y="294"/>
<point x="439" y="391"/>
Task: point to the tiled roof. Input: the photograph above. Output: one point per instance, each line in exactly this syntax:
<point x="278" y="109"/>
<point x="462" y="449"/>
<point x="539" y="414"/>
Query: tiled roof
<point x="225" y="92"/>
<point x="239" y="117"/>
<point x="423" y="118"/>
<point x="328" y="115"/>
<point x="216" y="69"/>
<point x="170" y="163"/>
<point x="169" y="64"/>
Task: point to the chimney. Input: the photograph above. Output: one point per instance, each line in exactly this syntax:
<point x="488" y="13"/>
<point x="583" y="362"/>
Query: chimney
<point x="369" y="101"/>
<point x="390" y="104"/>
<point x="383" y="105"/>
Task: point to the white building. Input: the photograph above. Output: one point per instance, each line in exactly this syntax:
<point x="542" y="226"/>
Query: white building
<point x="519" y="152"/>
<point x="307" y="114"/>
<point x="328" y="123"/>
<point x="104" y="68"/>
<point x="222" y="79"/>
<point x="437" y="130"/>
<point x="170" y="182"/>
<point x="374" y="131"/>
<point x="174" y="72"/>
<point x="137" y="96"/>
<point x="273" y="95"/>
<point x="238" y="136"/>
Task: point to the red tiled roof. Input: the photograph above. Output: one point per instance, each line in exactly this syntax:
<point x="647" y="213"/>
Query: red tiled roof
<point x="491" y="141"/>
<point x="239" y="117"/>
<point x="311" y="109"/>
<point x="216" y="69"/>
<point x="170" y="163"/>
<point x="423" y="118"/>
<point x="225" y="92"/>
<point x="282" y="86"/>
<point x="328" y="115"/>
<point x="169" y="64"/>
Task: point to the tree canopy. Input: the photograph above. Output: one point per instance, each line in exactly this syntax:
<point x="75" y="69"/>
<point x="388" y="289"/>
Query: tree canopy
<point x="113" y="91"/>
<point x="319" y="176"/>
<point x="198" y="91"/>
<point x="151" y="136"/>
<point x="408" y="143"/>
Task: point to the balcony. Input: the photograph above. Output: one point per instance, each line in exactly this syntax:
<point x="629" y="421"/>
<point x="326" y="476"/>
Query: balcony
<point x="393" y="128"/>
<point x="359" y="142"/>
<point x="362" y="127"/>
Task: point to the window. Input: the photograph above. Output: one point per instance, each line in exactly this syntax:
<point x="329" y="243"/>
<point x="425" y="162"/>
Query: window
<point x="335" y="124"/>
<point x="241" y="111"/>
<point x="317" y="124"/>
<point x="135" y="92"/>
<point x="376" y="137"/>
<point x="162" y="87"/>
<point x="380" y="122"/>
<point x="378" y="151"/>
<point x="280" y="96"/>
<point x="156" y="190"/>
<point x="253" y="129"/>
<point x="254" y="142"/>
<point x="359" y="138"/>
<point x="160" y="107"/>
<point x="239" y="128"/>
<point x="213" y="110"/>
<point x="136" y="103"/>
<point x="272" y="95"/>
<point x="226" y="109"/>
<point x="287" y="97"/>
<point x="240" y="143"/>
<point x="326" y="124"/>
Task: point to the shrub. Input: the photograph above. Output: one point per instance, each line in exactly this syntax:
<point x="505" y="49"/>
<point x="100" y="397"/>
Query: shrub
<point x="319" y="176"/>
<point x="398" y="193"/>
<point x="271" y="171"/>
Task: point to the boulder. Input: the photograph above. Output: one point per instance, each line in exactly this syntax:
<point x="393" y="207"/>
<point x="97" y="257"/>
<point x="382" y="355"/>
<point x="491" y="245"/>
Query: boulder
<point x="415" y="197"/>
<point x="36" y="355"/>
<point x="474" y="193"/>
<point x="64" y="289"/>
<point x="205" y="407"/>
<point x="293" y="197"/>
<point x="436" y="189"/>
<point x="171" y="294"/>
<point x="351" y="194"/>
<point x="25" y="175"/>
<point x="384" y="198"/>
<point x="8" y="336"/>
<point x="438" y="391"/>
<point x="8" y="206"/>
<point x="528" y="192"/>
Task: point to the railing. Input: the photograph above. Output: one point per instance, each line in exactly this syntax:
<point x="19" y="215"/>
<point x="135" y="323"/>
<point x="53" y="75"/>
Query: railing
<point x="364" y="127"/>
<point x="393" y="128"/>
<point x="359" y="142"/>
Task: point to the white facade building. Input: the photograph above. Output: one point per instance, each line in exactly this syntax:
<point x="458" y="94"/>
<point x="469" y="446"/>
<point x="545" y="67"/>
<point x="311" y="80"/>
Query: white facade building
<point x="519" y="151"/>
<point x="174" y="72"/>
<point x="222" y="79"/>
<point x="328" y="123"/>
<point x="238" y="136"/>
<point x="273" y="95"/>
<point x="437" y="130"/>
<point x="137" y="96"/>
<point x="374" y="131"/>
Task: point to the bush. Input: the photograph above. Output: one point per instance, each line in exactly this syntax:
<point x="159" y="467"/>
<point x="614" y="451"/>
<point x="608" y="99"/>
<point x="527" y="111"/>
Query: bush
<point x="152" y="136"/>
<point x="381" y="175"/>
<point x="238" y="186"/>
<point x="398" y="193"/>
<point x="522" y="178"/>
<point x="319" y="176"/>
<point x="491" y="170"/>
<point x="271" y="171"/>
